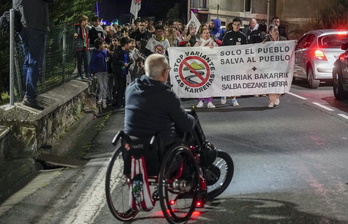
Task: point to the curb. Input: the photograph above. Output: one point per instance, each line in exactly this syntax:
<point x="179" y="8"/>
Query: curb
<point x="15" y="175"/>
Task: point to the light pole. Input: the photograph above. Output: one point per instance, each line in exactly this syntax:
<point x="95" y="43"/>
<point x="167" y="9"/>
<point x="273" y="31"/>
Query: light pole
<point x="188" y="10"/>
<point x="268" y="8"/>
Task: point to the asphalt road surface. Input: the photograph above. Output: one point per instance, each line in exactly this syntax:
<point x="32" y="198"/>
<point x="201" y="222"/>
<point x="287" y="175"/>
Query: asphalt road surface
<point x="291" y="166"/>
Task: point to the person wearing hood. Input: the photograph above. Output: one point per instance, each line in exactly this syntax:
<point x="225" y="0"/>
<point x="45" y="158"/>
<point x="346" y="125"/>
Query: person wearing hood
<point x="216" y="32"/>
<point x="152" y="108"/>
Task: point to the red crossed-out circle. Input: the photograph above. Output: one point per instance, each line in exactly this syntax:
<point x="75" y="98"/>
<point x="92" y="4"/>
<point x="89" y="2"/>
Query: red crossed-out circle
<point x="159" y="49"/>
<point x="184" y="62"/>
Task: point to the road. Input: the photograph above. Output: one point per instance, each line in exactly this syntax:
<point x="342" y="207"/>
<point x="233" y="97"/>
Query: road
<point x="291" y="166"/>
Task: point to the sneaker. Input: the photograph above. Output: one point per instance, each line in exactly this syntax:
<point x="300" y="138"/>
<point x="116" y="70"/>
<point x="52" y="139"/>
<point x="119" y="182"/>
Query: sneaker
<point x="104" y="104"/>
<point x="33" y="104"/>
<point x="210" y="105"/>
<point x="223" y="100"/>
<point x="235" y="103"/>
<point x="277" y="102"/>
<point x="271" y="105"/>
<point x="200" y="104"/>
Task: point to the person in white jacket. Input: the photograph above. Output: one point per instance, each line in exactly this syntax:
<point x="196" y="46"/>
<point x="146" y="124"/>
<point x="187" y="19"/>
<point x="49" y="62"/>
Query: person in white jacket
<point x="205" y="41"/>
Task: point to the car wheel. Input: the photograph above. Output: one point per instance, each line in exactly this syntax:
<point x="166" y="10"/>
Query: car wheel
<point x="313" y="83"/>
<point x="339" y="92"/>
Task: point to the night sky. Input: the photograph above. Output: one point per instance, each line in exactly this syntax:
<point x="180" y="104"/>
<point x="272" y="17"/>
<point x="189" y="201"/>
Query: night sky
<point x="119" y="9"/>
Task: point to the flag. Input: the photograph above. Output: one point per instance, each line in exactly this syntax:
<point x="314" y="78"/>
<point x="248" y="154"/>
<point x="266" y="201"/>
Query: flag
<point x="194" y="22"/>
<point x="135" y="7"/>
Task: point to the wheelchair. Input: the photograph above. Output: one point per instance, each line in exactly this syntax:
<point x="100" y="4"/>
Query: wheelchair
<point x="190" y="174"/>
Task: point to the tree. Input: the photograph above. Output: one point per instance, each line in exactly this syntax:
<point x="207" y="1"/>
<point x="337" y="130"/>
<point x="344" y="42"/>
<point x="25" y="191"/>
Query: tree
<point x="334" y="16"/>
<point x="61" y="12"/>
<point x="4" y="52"/>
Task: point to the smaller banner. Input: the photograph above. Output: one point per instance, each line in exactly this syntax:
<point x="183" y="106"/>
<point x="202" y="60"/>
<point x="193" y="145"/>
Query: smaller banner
<point x="193" y="23"/>
<point x="239" y="70"/>
<point x="135" y="7"/>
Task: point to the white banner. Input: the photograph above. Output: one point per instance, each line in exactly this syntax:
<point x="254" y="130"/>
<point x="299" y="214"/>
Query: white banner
<point x="135" y="7"/>
<point x="232" y="70"/>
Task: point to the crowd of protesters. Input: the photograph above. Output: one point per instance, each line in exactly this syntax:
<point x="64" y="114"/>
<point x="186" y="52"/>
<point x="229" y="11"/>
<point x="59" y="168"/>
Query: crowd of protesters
<point x="115" y="54"/>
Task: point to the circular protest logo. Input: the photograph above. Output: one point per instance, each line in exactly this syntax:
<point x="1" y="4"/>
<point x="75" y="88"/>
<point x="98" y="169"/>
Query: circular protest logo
<point x="194" y="71"/>
<point x="159" y="49"/>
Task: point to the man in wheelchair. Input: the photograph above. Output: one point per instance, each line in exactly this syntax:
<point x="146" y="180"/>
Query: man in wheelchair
<point x="152" y="109"/>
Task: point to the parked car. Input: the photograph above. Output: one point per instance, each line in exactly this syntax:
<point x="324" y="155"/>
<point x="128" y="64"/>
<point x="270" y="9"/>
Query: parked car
<point x="340" y="75"/>
<point x="316" y="53"/>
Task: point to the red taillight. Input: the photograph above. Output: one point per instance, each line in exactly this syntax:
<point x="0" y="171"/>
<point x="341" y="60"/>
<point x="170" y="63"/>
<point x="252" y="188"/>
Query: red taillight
<point x="172" y="202"/>
<point x="318" y="54"/>
<point x="199" y="204"/>
<point x="342" y="57"/>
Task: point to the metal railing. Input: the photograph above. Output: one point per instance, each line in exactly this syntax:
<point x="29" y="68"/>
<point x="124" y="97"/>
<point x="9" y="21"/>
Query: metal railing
<point x="59" y="60"/>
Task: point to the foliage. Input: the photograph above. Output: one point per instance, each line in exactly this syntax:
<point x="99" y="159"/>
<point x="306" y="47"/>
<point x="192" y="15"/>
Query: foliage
<point x="67" y="11"/>
<point x="333" y="16"/>
<point x="174" y="13"/>
<point x="4" y="52"/>
<point x="61" y="12"/>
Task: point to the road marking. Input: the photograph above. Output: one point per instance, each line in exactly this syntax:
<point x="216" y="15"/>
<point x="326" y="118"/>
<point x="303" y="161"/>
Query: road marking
<point x="92" y="200"/>
<point x="318" y="104"/>
<point x="344" y="116"/>
<point x="297" y="96"/>
<point x="322" y="106"/>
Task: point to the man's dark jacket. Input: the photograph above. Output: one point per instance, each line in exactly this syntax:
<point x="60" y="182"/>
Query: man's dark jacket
<point x="152" y="108"/>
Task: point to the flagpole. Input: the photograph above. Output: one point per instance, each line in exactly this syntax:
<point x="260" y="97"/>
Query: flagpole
<point x="188" y="10"/>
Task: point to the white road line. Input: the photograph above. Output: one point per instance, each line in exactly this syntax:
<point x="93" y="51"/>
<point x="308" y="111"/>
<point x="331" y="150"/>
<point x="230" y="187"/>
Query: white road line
<point x="92" y="200"/>
<point x="344" y="116"/>
<point x="322" y="106"/>
<point x="297" y="96"/>
<point x="318" y="104"/>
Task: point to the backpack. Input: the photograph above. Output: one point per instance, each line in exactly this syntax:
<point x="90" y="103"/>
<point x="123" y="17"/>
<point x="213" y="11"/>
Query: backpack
<point x="5" y="21"/>
<point x="139" y="192"/>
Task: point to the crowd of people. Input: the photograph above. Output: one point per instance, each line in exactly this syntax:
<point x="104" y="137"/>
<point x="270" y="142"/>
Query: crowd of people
<point x="115" y="54"/>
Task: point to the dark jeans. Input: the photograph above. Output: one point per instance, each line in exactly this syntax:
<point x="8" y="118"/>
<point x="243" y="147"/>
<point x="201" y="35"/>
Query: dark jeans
<point x="120" y="82"/>
<point x="33" y="44"/>
<point x="82" y="55"/>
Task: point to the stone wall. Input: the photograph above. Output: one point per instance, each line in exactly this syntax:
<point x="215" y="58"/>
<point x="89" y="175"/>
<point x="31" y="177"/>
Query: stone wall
<point x="29" y="130"/>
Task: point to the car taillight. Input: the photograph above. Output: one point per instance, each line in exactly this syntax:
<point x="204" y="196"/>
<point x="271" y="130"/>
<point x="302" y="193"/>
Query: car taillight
<point x="342" y="57"/>
<point x="318" y="54"/>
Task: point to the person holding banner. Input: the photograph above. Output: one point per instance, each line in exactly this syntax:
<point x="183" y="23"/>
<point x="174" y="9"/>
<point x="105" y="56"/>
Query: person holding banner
<point x="274" y="36"/>
<point x="217" y="32"/>
<point x="234" y="37"/>
<point x="205" y="41"/>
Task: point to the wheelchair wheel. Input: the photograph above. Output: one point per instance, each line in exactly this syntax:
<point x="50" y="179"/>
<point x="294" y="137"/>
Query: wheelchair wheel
<point x="178" y="185"/>
<point x="117" y="189"/>
<point x="219" y="174"/>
